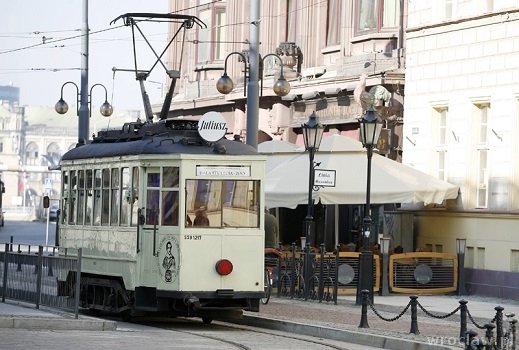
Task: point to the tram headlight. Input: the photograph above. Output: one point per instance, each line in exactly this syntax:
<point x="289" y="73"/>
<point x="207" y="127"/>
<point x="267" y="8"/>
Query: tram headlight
<point x="224" y="267"/>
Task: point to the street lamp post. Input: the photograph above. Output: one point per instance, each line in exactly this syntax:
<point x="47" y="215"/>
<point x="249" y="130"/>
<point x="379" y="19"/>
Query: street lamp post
<point x="461" y="245"/>
<point x="62" y="107"/>
<point x="370" y="128"/>
<point x="312" y="134"/>
<point x="225" y="85"/>
<point x="384" y="249"/>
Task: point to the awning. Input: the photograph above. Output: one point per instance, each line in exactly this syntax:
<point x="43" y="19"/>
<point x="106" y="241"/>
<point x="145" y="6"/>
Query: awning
<point x="287" y="175"/>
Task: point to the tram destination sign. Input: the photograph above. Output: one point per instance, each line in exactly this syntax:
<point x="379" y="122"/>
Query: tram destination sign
<point x="222" y="170"/>
<point x="324" y="178"/>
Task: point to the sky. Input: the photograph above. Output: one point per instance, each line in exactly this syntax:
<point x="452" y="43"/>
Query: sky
<point x="40" y="69"/>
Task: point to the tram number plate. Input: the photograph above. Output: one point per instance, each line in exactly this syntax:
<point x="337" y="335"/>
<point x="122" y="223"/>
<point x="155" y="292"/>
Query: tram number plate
<point x="193" y="237"/>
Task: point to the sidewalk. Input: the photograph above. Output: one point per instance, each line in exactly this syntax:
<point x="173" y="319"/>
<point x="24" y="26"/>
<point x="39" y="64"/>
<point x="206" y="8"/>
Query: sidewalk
<point x="323" y="319"/>
<point x="14" y="314"/>
<point x="434" y="332"/>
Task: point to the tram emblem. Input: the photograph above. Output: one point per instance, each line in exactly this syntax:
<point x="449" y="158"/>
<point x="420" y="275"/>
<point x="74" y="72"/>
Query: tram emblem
<point x="169" y="259"/>
<point x="212" y="126"/>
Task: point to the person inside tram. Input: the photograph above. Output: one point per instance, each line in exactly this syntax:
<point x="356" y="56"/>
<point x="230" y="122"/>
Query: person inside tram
<point x="201" y="218"/>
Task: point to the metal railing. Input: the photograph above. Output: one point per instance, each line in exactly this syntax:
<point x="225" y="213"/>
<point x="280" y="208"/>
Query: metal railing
<point x="336" y="273"/>
<point x="331" y="274"/>
<point x="29" y="274"/>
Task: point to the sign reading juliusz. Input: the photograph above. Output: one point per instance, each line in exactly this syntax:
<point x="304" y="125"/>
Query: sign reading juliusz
<point x="218" y="170"/>
<point x="212" y="126"/>
<point x="324" y="178"/>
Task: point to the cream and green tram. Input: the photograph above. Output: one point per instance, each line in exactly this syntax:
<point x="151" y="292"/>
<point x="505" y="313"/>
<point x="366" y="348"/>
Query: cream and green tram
<point x="167" y="222"/>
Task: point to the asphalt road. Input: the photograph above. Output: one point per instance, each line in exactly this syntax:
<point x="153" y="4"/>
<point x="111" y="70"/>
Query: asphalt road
<point x="28" y="232"/>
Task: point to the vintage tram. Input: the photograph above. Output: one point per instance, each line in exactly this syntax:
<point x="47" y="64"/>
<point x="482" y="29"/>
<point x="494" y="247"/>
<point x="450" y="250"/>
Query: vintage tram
<point x="167" y="213"/>
<point x="167" y="222"/>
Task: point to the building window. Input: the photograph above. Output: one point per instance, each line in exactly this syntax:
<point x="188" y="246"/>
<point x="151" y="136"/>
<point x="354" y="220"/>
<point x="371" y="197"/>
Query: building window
<point x="377" y="15"/>
<point x="334" y="20"/>
<point x="514" y="260"/>
<point x="53" y="155"/>
<point x="1" y="147"/>
<point x="480" y="258"/>
<point x="482" y="149"/>
<point x="441" y="143"/>
<point x="31" y="154"/>
<point x="212" y="38"/>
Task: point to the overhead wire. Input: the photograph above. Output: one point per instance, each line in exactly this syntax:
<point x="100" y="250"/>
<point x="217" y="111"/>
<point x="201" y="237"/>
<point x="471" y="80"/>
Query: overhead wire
<point x="122" y="25"/>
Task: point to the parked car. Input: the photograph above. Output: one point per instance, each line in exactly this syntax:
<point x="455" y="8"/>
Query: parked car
<point x="53" y="212"/>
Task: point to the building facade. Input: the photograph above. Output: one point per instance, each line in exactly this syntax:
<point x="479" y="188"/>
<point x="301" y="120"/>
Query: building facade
<point x="461" y="112"/>
<point x="32" y="141"/>
<point x="324" y="48"/>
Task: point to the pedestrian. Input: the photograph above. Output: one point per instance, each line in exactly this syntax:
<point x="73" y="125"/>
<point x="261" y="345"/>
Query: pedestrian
<point x="271" y="235"/>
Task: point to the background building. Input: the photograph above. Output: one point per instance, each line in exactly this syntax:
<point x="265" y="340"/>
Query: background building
<point x="32" y="141"/>
<point x="461" y="112"/>
<point x="324" y="47"/>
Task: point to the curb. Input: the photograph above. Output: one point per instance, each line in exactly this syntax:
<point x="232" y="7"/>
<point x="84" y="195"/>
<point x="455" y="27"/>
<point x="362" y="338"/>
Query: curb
<point x="360" y="338"/>
<point x="56" y="324"/>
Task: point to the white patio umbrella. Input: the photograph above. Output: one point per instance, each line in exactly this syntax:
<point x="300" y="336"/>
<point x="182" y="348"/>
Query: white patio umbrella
<point x="391" y="182"/>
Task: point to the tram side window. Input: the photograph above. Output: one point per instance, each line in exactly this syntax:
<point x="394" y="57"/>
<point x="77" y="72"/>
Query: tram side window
<point x="89" y="197"/>
<point x="217" y="203"/>
<point x="80" y="196"/>
<point x="66" y="193"/>
<point x="115" y="200"/>
<point x="170" y="198"/>
<point x="135" y="196"/>
<point x="152" y="198"/>
<point x="97" y="197"/>
<point x="73" y="196"/>
<point x="105" y="198"/>
<point x="127" y="197"/>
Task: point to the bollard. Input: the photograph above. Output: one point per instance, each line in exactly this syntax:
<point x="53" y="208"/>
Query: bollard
<point x="463" y="319"/>
<point x="499" y="326"/>
<point x="469" y="339"/>
<point x="489" y="335"/>
<point x="414" y="315"/>
<point x="479" y="344"/>
<point x="364" y="315"/>
<point x="513" y="327"/>
<point x="11" y="245"/>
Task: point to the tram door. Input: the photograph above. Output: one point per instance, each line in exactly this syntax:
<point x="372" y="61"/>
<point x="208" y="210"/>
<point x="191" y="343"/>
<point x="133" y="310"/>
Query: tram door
<point x="159" y="259"/>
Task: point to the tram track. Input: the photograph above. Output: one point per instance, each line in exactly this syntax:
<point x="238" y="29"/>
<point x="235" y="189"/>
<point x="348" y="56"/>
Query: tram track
<point x="243" y="335"/>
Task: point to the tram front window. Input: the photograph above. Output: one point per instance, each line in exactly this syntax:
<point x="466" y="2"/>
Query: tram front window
<point x="222" y="203"/>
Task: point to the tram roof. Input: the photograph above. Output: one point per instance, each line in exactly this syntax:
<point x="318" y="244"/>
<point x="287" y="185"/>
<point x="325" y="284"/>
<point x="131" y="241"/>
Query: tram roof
<point x="142" y="139"/>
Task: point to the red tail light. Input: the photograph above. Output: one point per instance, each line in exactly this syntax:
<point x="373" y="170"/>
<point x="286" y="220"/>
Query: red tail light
<point x="224" y="267"/>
